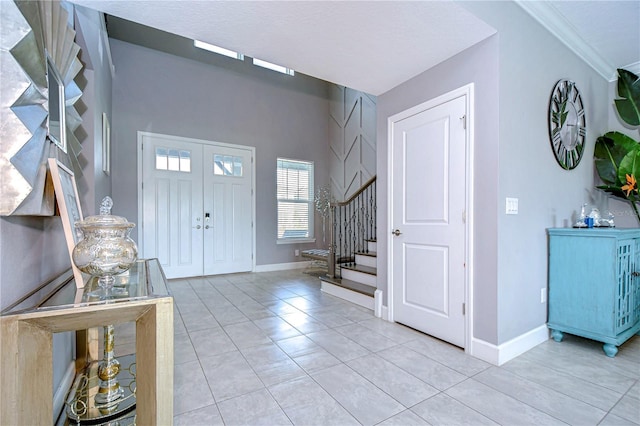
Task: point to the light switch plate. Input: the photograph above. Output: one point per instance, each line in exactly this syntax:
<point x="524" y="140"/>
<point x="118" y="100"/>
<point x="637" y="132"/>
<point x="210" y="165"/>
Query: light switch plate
<point x="511" y="206"/>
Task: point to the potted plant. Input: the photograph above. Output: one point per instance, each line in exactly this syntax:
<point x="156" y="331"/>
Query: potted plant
<point x="617" y="156"/>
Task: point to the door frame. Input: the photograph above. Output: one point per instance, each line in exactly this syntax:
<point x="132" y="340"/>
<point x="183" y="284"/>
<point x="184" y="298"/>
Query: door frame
<point x="142" y="135"/>
<point x="468" y="92"/>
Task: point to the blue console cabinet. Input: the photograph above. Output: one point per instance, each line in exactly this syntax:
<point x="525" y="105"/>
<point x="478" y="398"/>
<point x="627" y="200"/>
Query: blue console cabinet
<point x="594" y="289"/>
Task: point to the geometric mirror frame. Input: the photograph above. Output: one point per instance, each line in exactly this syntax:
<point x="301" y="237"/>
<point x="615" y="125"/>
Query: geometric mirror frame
<point x="39" y="60"/>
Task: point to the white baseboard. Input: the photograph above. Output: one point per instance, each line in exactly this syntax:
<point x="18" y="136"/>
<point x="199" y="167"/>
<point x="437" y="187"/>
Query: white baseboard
<point x="63" y="389"/>
<point x="348" y="295"/>
<point x="282" y="266"/>
<point x="377" y="301"/>
<point x="385" y="313"/>
<point x="498" y="355"/>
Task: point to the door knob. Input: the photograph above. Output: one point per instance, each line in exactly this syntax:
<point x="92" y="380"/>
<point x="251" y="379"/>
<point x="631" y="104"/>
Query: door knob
<point x="396" y="232"/>
<point x="206" y="227"/>
<point x="198" y="226"/>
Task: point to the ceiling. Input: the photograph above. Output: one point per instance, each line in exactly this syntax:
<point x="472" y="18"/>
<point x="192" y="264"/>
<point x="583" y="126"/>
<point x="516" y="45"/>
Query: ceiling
<point x="606" y="34"/>
<point x="373" y="45"/>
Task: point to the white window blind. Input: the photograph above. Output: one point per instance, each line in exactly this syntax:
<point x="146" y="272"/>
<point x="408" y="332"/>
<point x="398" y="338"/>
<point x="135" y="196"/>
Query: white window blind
<point x="295" y="199"/>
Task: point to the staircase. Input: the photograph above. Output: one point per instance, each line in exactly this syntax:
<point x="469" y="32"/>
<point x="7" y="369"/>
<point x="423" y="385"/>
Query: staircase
<point x="358" y="281"/>
<point x="352" y="255"/>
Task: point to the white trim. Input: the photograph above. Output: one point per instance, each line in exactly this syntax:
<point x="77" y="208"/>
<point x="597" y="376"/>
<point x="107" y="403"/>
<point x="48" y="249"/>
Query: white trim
<point x="282" y="266"/>
<point x="140" y="196"/>
<point x="498" y="355"/>
<point x="385" y="313"/>
<point x="252" y="149"/>
<point x="377" y="301"/>
<point x="107" y="46"/>
<point x="634" y="68"/>
<point x="295" y="240"/>
<point x="468" y="92"/>
<point x="470" y="212"/>
<point x="549" y="17"/>
<point x="60" y="395"/>
<point x="348" y="295"/>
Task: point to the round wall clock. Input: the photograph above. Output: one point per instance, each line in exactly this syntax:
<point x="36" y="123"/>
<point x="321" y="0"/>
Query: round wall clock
<point x="567" y="124"/>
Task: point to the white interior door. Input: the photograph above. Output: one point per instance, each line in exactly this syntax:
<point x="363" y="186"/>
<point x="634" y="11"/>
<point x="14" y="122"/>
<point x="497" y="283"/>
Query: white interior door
<point x="197" y="206"/>
<point x="227" y="210"/>
<point x="172" y="205"/>
<point x="428" y="196"/>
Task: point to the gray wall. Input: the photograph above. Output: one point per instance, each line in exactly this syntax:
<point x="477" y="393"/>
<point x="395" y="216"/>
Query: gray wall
<point x="478" y="65"/>
<point x="96" y="97"/>
<point x="352" y="140"/>
<point x="279" y="115"/>
<point x="531" y="61"/>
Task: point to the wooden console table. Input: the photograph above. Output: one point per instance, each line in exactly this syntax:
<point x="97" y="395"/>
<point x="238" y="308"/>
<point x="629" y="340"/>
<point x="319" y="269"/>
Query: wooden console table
<point x="26" y="329"/>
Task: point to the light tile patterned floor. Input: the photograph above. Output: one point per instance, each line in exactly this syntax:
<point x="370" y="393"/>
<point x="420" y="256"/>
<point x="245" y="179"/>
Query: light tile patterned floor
<point x="271" y="348"/>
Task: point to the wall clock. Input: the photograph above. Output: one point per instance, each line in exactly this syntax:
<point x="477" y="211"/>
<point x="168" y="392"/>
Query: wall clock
<point x="567" y="124"/>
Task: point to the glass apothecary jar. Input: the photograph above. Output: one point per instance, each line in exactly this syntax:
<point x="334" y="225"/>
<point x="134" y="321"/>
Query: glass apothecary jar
<point x="106" y="248"/>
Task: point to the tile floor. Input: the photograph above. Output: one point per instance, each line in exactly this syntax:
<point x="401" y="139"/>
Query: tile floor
<point x="272" y="349"/>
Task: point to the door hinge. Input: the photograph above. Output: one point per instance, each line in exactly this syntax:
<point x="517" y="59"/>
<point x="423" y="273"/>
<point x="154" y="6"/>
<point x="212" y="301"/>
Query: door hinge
<point x="464" y="216"/>
<point x="464" y="310"/>
<point x="464" y="121"/>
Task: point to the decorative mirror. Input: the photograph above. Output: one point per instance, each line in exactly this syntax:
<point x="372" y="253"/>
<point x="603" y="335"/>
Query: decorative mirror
<point x="56" y="123"/>
<point x="39" y="59"/>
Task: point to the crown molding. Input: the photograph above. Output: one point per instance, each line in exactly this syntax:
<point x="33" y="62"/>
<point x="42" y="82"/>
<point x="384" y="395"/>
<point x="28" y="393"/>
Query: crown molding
<point x="634" y="68"/>
<point x="549" y="17"/>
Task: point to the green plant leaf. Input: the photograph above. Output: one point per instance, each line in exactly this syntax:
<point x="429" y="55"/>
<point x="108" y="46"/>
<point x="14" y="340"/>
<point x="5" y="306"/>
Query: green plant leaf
<point x="609" y="152"/>
<point x="629" y="90"/>
<point x="630" y="165"/>
<point x="607" y="171"/>
<point x="613" y="190"/>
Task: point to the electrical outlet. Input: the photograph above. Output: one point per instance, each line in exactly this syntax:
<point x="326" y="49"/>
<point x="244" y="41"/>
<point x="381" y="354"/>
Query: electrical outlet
<point x="543" y="295"/>
<point x="297" y="252"/>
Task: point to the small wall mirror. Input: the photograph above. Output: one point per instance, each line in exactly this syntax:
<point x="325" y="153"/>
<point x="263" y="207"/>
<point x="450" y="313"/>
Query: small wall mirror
<point x="56" y="123"/>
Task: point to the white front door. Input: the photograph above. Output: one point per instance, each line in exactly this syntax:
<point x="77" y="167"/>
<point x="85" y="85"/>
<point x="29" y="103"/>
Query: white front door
<point x="197" y="206"/>
<point x="428" y="196"/>
<point x="227" y="210"/>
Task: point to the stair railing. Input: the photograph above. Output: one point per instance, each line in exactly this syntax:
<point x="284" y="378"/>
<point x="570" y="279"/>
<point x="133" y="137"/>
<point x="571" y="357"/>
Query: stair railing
<point x="351" y="223"/>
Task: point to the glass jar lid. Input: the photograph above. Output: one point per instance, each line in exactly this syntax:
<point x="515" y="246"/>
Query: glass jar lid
<point x="105" y="219"/>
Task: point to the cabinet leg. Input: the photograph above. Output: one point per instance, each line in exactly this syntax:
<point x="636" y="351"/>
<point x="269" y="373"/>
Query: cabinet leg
<point x="557" y="335"/>
<point x="610" y="350"/>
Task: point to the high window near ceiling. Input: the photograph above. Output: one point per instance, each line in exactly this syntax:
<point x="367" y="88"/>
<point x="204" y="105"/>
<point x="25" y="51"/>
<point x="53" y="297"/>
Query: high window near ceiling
<point x="236" y="55"/>
<point x="295" y="201"/>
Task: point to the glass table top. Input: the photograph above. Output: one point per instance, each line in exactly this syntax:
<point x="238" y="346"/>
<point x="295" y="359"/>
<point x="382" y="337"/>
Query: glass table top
<point x="144" y="280"/>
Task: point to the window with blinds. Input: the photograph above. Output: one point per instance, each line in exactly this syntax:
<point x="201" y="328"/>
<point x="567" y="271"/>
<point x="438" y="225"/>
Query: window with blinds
<point x="295" y="200"/>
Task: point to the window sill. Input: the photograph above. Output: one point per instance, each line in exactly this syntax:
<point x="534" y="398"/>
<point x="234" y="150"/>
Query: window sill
<point x="296" y="241"/>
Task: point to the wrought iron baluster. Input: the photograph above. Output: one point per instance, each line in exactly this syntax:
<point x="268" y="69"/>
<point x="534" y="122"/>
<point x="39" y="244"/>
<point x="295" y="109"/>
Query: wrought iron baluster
<point x="360" y="235"/>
